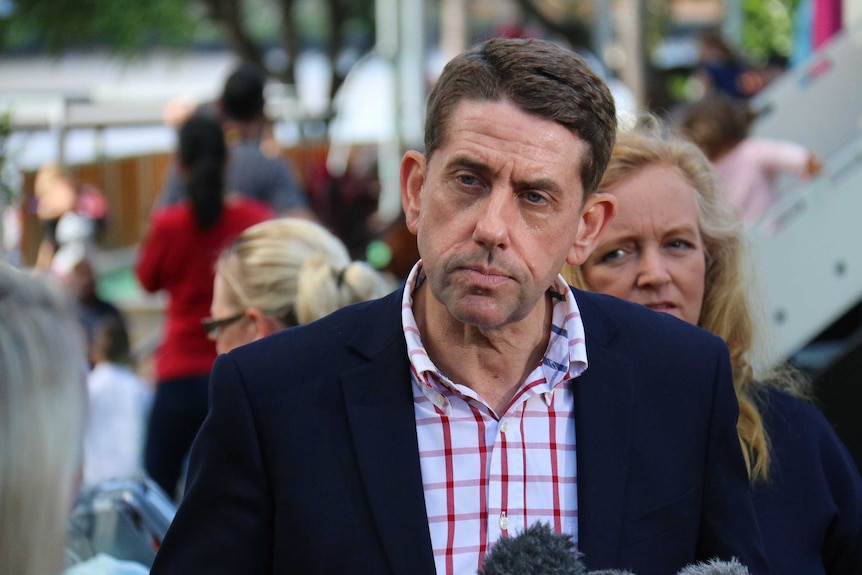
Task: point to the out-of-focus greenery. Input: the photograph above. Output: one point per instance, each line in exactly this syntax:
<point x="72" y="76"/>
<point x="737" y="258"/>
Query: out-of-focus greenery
<point x="767" y="28"/>
<point x="7" y="193"/>
<point x="253" y="29"/>
<point x="126" y="27"/>
<point x="570" y="19"/>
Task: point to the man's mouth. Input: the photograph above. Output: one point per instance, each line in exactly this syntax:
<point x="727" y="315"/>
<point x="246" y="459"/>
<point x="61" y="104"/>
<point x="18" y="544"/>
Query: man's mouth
<point x="486" y="278"/>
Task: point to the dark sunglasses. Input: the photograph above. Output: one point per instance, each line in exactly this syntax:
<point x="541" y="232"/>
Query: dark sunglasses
<point x="214" y="326"/>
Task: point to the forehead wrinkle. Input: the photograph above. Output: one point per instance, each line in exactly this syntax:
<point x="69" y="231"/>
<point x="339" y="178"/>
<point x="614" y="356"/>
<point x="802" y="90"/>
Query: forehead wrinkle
<point x="540" y="159"/>
<point x="548" y="136"/>
<point x="641" y="201"/>
<point x="662" y="224"/>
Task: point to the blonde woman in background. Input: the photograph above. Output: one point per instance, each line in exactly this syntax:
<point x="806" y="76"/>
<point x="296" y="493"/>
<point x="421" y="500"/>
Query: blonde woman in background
<point x="677" y="247"/>
<point x="282" y="273"/>
<point x="43" y="398"/>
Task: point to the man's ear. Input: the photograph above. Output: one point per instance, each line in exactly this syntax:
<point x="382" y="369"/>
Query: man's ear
<point x="599" y="209"/>
<point x="413" y="166"/>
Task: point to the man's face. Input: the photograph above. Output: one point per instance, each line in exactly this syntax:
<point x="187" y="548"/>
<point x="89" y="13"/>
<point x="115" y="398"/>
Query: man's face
<point x="497" y="210"/>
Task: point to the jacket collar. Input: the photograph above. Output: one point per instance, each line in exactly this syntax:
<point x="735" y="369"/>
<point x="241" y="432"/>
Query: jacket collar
<point x="380" y="412"/>
<point x="604" y="406"/>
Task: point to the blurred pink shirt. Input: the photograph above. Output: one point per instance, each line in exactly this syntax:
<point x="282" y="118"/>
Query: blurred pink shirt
<point x="750" y="170"/>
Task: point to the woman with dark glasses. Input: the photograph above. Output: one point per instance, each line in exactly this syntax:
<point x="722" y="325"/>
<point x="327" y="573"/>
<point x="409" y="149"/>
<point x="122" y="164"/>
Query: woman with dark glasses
<point x="282" y="273"/>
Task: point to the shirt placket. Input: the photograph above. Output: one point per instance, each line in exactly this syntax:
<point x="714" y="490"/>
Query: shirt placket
<point x="507" y="488"/>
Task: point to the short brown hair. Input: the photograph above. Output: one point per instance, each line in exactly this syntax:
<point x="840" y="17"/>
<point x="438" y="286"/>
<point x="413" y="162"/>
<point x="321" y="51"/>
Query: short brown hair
<point x="717" y="123"/>
<point x="538" y="77"/>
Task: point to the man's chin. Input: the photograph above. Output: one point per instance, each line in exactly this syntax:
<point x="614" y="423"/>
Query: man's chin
<point x="481" y="311"/>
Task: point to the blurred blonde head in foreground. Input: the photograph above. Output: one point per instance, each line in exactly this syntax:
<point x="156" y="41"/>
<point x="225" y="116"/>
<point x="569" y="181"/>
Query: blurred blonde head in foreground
<point x="42" y="412"/>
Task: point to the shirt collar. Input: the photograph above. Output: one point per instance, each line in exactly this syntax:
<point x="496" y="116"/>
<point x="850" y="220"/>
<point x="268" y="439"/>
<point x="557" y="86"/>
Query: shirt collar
<point x="564" y="359"/>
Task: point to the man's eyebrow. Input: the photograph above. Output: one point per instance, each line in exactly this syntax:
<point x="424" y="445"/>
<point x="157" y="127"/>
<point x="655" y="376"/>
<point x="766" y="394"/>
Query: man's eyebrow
<point x="540" y="184"/>
<point x="465" y="162"/>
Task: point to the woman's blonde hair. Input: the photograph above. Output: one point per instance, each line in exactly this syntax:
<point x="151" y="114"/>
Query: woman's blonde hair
<point x="295" y="271"/>
<point x="42" y="412"/>
<point x="726" y="311"/>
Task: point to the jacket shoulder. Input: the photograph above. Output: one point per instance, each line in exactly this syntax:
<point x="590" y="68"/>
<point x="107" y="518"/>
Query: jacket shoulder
<point x="364" y="328"/>
<point x="608" y="319"/>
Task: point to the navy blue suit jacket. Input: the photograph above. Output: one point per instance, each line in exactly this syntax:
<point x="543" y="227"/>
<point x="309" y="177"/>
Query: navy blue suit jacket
<point x="810" y="509"/>
<point x="308" y="461"/>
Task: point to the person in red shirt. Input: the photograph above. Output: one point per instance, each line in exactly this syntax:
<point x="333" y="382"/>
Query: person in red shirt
<point x="178" y="256"/>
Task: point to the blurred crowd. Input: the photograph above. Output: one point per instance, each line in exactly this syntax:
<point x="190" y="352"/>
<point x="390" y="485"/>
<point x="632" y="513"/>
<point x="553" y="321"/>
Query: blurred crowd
<point x="243" y="247"/>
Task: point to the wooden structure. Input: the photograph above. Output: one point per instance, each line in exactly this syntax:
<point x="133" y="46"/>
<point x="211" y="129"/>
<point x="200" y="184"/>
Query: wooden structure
<point x="131" y="186"/>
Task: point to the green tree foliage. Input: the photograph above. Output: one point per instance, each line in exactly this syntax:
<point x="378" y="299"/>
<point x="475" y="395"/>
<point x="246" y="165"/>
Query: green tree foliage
<point x="6" y="192"/>
<point x="568" y="19"/>
<point x="249" y="27"/>
<point x="767" y="28"/>
<point x="125" y="27"/>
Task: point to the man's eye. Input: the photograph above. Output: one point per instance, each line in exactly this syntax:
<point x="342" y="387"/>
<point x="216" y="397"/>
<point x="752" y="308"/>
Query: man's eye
<point x="467" y="179"/>
<point x="534" y="197"/>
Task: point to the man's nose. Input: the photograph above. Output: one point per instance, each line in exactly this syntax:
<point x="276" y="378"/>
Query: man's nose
<point x="494" y="217"/>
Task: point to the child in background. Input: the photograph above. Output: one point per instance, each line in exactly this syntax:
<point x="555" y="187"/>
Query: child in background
<point x="748" y="167"/>
<point x="119" y="402"/>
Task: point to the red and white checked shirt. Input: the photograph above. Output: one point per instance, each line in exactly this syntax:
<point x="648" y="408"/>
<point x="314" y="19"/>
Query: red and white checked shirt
<point x="485" y="477"/>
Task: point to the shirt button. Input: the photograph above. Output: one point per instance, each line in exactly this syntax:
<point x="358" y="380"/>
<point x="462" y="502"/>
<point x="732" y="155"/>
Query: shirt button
<point x="504" y="427"/>
<point x="438" y="400"/>
<point x="503" y="522"/>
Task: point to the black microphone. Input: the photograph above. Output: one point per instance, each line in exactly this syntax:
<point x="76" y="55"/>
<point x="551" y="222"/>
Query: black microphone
<point x="535" y="551"/>
<point x="539" y="551"/>
<point x="716" y="567"/>
<point x="713" y="567"/>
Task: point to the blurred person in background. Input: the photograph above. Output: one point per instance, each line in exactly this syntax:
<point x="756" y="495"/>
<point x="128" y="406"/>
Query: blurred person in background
<point x="677" y="247"/>
<point x="72" y="216"/>
<point x="264" y="176"/>
<point x="748" y="167"/>
<point x="720" y="69"/>
<point x="178" y="256"/>
<point x="119" y="401"/>
<point x="42" y="416"/>
<point x="283" y="273"/>
<point x="395" y="252"/>
<point x="82" y="283"/>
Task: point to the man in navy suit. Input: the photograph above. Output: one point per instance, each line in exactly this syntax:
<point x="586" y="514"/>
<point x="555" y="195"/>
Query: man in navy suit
<point x="406" y="435"/>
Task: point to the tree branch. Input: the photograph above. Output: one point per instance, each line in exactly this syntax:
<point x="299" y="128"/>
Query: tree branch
<point x="228" y="14"/>
<point x="576" y="32"/>
<point x="289" y="41"/>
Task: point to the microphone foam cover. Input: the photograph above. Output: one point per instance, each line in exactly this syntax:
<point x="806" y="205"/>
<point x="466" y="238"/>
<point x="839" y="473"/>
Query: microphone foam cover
<point x="535" y="551"/>
<point x="716" y="567"/>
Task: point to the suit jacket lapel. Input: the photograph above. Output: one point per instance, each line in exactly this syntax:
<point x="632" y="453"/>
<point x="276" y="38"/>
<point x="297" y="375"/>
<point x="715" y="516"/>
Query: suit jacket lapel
<point x="379" y="405"/>
<point x="380" y="413"/>
<point x="603" y="411"/>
